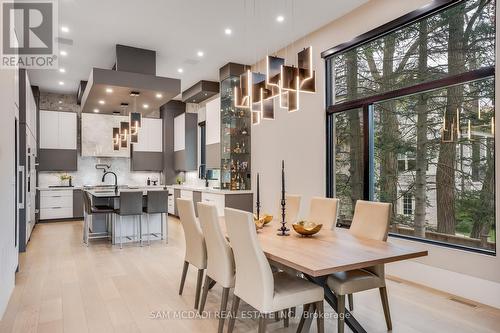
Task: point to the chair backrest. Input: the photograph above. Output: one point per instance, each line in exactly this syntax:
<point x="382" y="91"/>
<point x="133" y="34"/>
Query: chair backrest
<point x="87" y="203"/>
<point x="220" y="261"/>
<point x="131" y="203"/>
<point x="196" y="252"/>
<point x="371" y="220"/>
<point x="292" y="208"/>
<point x="254" y="282"/>
<point x="324" y="211"/>
<point x="157" y="202"/>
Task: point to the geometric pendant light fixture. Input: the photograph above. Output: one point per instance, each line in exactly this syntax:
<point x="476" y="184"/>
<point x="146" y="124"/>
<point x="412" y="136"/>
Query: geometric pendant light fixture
<point x="128" y="130"/>
<point x="257" y="91"/>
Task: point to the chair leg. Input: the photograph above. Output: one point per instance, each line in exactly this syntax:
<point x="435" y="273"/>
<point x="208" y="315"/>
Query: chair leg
<point x="121" y="233"/>
<point x="223" y="307"/>
<point x="305" y="313"/>
<point x="234" y="311"/>
<point x="198" y="288"/>
<point x="276" y="316"/>
<point x="385" y="305"/>
<point x="148" y="226"/>
<point x="350" y="298"/>
<point x="161" y="224"/>
<point x="286" y="321"/>
<point x="320" y="319"/>
<point x="204" y="294"/>
<point x="340" y="313"/>
<point x="262" y="323"/>
<point x="183" y="277"/>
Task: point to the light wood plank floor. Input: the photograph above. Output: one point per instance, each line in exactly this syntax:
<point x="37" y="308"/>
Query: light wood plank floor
<point x="63" y="286"/>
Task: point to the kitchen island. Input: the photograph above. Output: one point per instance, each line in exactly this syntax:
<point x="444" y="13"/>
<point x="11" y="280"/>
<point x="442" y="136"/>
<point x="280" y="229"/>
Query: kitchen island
<point x="110" y="197"/>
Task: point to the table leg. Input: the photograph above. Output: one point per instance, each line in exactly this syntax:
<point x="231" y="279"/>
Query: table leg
<point x="330" y="297"/>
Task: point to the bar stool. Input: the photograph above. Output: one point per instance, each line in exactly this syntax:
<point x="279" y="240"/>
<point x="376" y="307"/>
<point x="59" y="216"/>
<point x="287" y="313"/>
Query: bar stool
<point x="130" y="205"/>
<point x="157" y="203"/>
<point x="89" y="212"/>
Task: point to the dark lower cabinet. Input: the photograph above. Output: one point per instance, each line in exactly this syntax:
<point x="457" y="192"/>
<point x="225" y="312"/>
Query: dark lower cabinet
<point x="77" y="203"/>
<point x="196" y="199"/>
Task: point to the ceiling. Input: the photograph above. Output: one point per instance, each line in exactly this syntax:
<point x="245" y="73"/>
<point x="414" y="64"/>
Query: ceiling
<point x="177" y="30"/>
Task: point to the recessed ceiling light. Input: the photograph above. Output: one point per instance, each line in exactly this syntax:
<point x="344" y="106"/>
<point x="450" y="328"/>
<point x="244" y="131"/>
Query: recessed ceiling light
<point x="145" y="106"/>
<point x="62" y="70"/>
<point x="63" y="53"/>
<point x="200" y="54"/>
<point x="109" y="90"/>
<point x="101" y="102"/>
<point x="158" y="95"/>
<point x="280" y="18"/>
<point x="64" y="29"/>
<point x="180" y="70"/>
<point x="60" y="102"/>
<point x="61" y="83"/>
<point x="96" y="110"/>
<point x="228" y="31"/>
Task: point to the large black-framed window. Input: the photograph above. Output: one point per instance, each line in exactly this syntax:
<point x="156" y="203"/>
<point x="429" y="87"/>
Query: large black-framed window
<point x="411" y="121"/>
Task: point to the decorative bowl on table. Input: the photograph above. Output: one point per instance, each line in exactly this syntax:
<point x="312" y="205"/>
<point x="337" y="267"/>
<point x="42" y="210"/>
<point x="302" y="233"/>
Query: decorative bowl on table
<point x="306" y="228"/>
<point x="267" y="218"/>
<point x="259" y="223"/>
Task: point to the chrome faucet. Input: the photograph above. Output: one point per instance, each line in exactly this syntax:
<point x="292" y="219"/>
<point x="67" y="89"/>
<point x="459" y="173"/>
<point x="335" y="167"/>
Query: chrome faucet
<point x="116" y="179"/>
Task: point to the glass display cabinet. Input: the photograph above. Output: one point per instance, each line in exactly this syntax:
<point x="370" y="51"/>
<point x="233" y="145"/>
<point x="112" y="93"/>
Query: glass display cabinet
<point x="235" y="133"/>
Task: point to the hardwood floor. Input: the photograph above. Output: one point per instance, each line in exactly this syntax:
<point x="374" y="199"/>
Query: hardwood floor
<point x="63" y="286"/>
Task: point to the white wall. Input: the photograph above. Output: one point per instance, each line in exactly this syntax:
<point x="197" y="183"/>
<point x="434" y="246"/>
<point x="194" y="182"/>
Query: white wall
<point x="299" y="139"/>
<point x="8" y="251"/>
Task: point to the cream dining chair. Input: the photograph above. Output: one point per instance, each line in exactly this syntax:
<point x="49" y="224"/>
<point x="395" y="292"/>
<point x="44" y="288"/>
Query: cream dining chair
<point x="196" y="252"/>
<point x="371" y="220"/>
<point x="220" y="262"/>
<point x="324" y="211"/>
<point x="292" y="208"/>
<point x="255" y="283"/>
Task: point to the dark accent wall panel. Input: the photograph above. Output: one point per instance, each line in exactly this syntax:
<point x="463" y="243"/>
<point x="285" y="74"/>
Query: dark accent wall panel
<point x="167" y="113"/>
<point x="240" y="201"/>
<point x="136" y="60"/>
<point x="191" y="142"/>
<point x="58" y="160"/>
<point x="146" y="161"/>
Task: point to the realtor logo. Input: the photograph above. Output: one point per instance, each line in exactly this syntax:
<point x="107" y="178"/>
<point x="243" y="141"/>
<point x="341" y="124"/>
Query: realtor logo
<point x="29" y="30"/>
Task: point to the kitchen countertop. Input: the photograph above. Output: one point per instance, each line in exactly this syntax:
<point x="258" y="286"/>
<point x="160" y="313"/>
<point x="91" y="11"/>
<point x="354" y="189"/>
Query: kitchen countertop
<point x="208" y="190"/>
<point x="110" y="188"/>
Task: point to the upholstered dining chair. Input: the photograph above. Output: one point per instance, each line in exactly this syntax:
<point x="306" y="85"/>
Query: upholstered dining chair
<point x="292" y="208"/>
<point x="324" y="211"/>
<point x="220" y="261"/>
<point x="255" y="283"/>
<point x="371" y="220"/>
<point x="196" y="252"/>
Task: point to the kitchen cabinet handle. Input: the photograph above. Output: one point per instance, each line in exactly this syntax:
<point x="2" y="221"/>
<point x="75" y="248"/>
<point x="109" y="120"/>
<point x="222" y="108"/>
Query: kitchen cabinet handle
<point x="22" y="181"/>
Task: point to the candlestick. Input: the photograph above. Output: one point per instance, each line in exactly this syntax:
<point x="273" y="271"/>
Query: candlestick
<point x="258" y="196"/>
<point x="283" y="231"/>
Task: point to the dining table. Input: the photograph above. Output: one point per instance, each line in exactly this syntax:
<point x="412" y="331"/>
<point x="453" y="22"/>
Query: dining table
<point x="329" y="251"/>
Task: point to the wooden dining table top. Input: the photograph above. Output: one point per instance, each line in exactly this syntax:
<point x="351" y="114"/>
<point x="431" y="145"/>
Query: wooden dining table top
<point x="328" y="251"/>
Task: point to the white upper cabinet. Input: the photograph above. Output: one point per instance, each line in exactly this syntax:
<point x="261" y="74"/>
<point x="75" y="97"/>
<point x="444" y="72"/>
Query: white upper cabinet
<point x="150" y="136"/>
<point x="57" y="130"/>
<point x="67" y="130"/>
<point x="213" y="121"/>
<point x="180" y="132"/>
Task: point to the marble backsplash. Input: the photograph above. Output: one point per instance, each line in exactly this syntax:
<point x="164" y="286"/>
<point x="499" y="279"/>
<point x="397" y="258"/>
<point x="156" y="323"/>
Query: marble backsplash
<point x="87" y="174"/>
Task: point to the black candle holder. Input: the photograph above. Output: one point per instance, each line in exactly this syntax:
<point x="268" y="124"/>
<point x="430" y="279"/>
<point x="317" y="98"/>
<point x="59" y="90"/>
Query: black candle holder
<point x="283" y="231"/>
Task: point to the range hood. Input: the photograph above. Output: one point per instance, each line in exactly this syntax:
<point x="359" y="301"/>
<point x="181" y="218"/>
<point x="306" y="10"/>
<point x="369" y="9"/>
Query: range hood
<point x="108" y="90"/>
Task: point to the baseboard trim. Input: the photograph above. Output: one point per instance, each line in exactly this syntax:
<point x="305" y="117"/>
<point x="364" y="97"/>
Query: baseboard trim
<point x="451" y="284"/>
